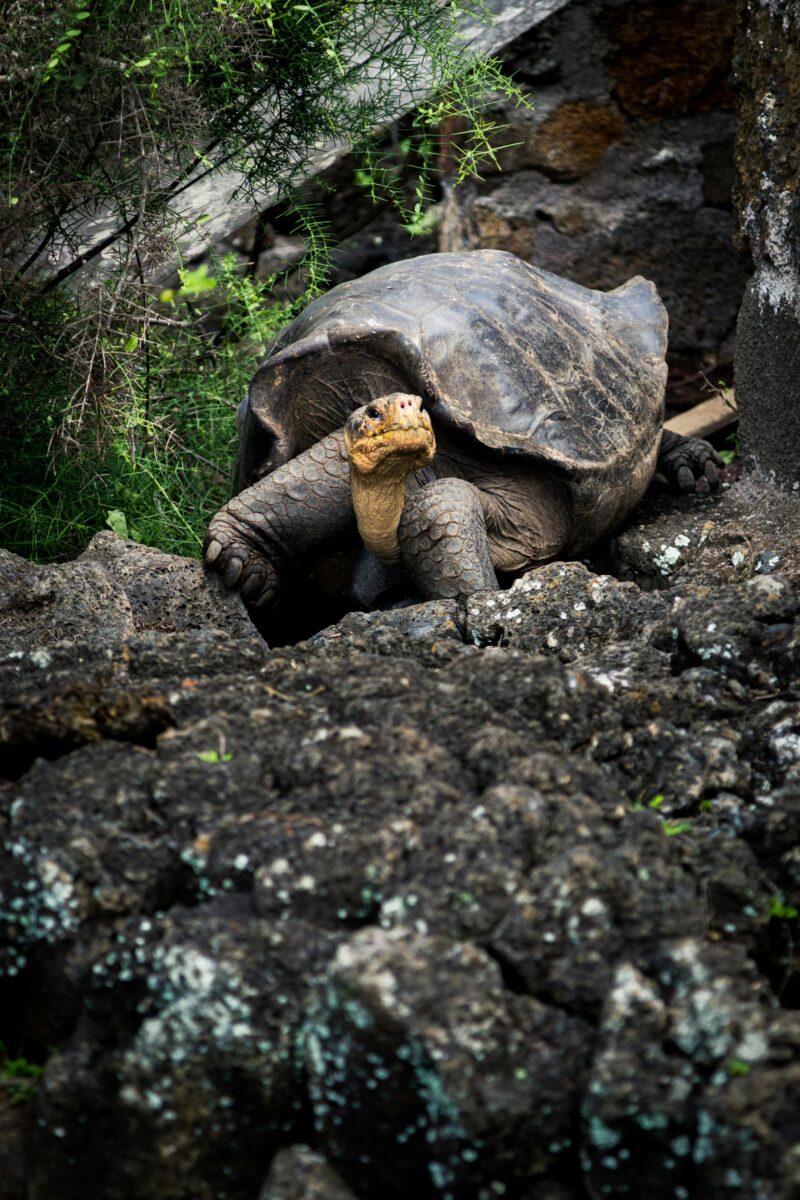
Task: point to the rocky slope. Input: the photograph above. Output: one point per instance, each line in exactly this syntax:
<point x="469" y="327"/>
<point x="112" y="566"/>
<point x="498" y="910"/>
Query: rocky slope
<point x="461" y="900"/>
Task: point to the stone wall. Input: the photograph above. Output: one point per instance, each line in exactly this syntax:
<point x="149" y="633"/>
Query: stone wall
<point x="624" y="165"/>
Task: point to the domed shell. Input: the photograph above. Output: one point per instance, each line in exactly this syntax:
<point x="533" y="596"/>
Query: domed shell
<point x="524" y="362"/>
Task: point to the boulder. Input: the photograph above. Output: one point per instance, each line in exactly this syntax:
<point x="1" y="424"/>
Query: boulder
<point x="697" y="1046"/>
<point x="40" y="605"/>
<point x="746" y="529"/>
<point x="564" y="609"/>
<point x="165" y="591"/>
<point x="768" y="206"/>
<point x="416" y="1048"/>
<point x="300" y="1173"/>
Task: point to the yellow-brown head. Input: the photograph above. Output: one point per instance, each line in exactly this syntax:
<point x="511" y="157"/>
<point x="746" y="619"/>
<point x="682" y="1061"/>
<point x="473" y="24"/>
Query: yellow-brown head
<point x="390" y="437"/>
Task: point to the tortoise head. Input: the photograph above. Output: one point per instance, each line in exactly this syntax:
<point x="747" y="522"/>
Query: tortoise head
<point x="390" y="436"/>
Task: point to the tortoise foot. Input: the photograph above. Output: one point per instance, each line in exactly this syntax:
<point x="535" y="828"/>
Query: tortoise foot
<point x="690" y="464"/>
<point x="233" y="551"/>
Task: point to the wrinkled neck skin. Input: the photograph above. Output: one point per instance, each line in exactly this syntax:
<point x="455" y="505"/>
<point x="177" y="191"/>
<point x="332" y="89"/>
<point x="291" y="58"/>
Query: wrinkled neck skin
<point x="378" y="500"/>
<point x="386" y="441"/>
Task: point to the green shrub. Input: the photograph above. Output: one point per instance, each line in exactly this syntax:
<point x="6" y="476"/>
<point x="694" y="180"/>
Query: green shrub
<point x="156" y="466"/>
<point x="118" y="399"/>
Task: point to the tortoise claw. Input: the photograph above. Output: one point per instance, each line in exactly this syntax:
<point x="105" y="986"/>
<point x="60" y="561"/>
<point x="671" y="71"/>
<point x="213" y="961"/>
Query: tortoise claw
<point x="712" y="474"/>
<point x="212" y="551"/>
<point x="690" y="464"/>
<point x="264" y="598"/>
<point x="232" y="571"/>
<point x="242" y="565"/>
<point x="252" y="583"/>
<point x="685" y="479"/>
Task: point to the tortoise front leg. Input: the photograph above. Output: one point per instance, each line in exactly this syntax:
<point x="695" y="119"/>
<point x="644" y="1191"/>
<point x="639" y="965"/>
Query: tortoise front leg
<point x="443" y="540"/>
<point x="300" y="506"/>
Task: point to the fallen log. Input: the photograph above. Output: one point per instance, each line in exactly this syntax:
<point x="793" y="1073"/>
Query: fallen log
<point x="707" y="417"/>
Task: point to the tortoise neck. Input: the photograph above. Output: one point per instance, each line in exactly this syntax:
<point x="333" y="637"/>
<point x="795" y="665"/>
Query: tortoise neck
<point x="378" y="504"/>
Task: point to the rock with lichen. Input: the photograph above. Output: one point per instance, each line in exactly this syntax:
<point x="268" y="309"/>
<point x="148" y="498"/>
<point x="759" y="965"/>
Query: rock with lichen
<point x="424" y="903"/>
<point x="300" y="1173"/>
<point x="768" y="206"/>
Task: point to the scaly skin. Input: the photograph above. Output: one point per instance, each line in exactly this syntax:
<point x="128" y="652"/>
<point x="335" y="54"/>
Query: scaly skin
<point x="683" y="462"/>
<point x="443" y="540"/>
<point x="386" y="441"/>
<point x="303" y="505"/>
<point x="438" y="533"/>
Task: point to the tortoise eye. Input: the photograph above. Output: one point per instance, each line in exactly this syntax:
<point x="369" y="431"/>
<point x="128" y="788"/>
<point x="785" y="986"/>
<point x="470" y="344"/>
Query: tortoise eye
<point x="373" y="413"/>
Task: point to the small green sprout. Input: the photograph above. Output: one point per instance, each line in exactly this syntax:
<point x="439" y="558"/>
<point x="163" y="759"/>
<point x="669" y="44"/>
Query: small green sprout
<point x="655" y="803"/>
<point x="18" y="1077"/>
<point x="737" y="1066"/>
<point x="735" y="451"/>
<point x="214" y="756"/>
<point x="673" y="828"/>
<point x="779" y="909"/>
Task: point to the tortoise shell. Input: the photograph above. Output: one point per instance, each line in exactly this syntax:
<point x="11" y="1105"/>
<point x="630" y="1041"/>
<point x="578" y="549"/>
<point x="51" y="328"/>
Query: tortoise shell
<point x="522" y="362"/>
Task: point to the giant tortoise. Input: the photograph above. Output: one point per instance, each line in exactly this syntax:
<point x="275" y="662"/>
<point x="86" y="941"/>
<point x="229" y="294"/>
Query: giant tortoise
<point x="456" y="417"/>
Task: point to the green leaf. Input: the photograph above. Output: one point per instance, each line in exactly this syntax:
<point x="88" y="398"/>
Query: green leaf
<point x="423" y="222"/>
<point x="779" y="909"/>
<point x="195" y="282"/>
<point x="116" y="520"/>
<point x="213" y="756"/>
<point x="656" y="802"/>
<point x="737" y="1066"/>
<point x="132" y="343"/>
<point x="20" y="1068"/>
<point x="20" y="1077"/>
<point x="673" y="828"/>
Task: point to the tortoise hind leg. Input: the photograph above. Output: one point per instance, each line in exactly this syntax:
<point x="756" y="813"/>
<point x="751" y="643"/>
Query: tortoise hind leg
<point x="684" y="461"/>
<point x="444" y="542"/>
